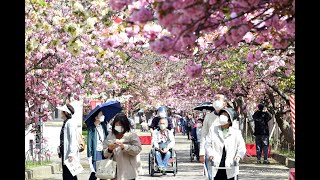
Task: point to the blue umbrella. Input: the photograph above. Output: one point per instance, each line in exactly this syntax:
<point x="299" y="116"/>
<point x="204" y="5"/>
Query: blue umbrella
<point x="109" y="110"/>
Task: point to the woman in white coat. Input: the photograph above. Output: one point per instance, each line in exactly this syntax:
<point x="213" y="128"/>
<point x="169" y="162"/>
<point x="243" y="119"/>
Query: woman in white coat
<point x="68" y="140"/>
<point x="225" y="146"/>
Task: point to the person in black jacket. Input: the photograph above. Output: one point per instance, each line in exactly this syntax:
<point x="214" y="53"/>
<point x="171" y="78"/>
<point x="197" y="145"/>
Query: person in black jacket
<point x="261" y="133"/>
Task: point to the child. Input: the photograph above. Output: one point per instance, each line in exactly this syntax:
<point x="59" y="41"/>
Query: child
<point x="196" y="136"/>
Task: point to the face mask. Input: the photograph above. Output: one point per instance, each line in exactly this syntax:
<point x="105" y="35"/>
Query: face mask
<point x="218" y="105"/>
<point x="118" y="129"/>
<point x="199" y="125"/>
<point x="162" y="126"/>
<point x="223" y="119"/>
<point x="101" y="118"/>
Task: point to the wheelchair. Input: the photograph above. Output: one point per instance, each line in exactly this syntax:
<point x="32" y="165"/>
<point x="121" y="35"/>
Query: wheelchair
<point x="192" y="151"/>
<point x="172" y="168"/>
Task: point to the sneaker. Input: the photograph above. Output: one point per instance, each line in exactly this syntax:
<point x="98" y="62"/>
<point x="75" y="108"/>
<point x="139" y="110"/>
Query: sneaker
<point x="266" y="162"/>
<point x="164" y="172"/>
<point x="258" y="161"/>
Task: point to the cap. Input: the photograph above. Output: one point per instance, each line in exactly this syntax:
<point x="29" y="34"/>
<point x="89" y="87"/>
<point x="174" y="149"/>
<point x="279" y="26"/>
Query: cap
<point x="64" y="108"/>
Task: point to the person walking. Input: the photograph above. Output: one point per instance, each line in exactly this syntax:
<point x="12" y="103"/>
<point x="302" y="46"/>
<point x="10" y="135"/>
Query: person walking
<point x="225" y="146"/>
<point x="97" y="133"/>
<point x="219" y="102"/>
<point x="125" y="146"/>
<point x="68" y="140"/>
<point x="190" y="124"/>
<point x="261" y="133"/>
<point x="196" y="136"/>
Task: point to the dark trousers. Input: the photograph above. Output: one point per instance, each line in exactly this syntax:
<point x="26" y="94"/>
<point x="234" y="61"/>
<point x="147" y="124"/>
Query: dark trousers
<point x="188" y="129"/>
<point x="262" y="145"/>
<point x="196" y="148"/>
<point x="183" y="128"/>
<point x="222" y="173"/>
<point x="99" y="156"/>
<point x="66" y="174"/>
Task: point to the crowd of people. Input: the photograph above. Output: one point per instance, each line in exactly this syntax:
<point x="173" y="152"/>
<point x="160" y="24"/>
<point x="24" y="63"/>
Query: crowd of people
<point x="217" y="143"/>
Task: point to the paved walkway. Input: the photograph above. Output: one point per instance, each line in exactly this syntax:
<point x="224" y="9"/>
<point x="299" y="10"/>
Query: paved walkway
<point x="188" y="170"/>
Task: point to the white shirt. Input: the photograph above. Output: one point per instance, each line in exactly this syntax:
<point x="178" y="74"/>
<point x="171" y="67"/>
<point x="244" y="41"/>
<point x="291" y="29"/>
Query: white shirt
<point x="207" y="122"/>
<point x="198" y="132"/>
<point x="100" y="137"/>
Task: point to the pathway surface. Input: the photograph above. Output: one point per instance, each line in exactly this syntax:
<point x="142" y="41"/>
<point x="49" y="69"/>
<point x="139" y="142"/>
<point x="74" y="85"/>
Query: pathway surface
<point x="188" y="170"/>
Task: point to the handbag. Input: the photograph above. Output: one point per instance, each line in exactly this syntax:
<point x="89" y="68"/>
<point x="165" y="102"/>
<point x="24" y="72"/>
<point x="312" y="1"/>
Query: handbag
<point x="106" y="168"/>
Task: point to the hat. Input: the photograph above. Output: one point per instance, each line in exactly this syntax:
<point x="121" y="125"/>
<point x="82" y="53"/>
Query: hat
<point x="231" y="113"/>
<point x="162" y="112"/>
<point x="64" y="108"/>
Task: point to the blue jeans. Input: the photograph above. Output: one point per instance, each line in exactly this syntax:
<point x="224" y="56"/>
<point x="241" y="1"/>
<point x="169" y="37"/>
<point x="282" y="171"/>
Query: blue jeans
<point x="163" y="162"/>
<point x="207" y="166"/>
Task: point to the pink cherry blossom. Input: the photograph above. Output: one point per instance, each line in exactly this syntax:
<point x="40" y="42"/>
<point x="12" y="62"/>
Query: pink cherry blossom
<point x="193" y="70"/>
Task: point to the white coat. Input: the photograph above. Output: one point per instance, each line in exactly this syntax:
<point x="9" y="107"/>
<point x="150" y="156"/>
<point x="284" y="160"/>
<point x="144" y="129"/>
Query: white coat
<point x="234" y="146"/>
<point x="70" y="142"/>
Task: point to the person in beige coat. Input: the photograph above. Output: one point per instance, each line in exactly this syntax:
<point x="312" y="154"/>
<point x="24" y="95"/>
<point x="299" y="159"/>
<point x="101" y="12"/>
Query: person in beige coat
<point x="125" y="147"/>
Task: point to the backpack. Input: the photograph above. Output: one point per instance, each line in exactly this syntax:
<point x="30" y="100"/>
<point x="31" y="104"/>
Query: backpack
<point x="261" y="124"/>
<point x="81" y="142"/>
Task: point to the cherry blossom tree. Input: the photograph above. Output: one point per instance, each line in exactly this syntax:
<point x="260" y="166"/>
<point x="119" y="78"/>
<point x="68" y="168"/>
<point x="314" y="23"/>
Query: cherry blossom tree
<point x="175" y="52"/>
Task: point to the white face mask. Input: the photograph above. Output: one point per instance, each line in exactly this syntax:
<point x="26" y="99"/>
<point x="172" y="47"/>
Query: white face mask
<point x="163" y="114"/>
<point x="162" y="126"/>
<point x="118" y="129"/>
<point x="218" y="104"/>
<point x="101" y="118"/>
<point x="199" y="125"/>
<point x="223" y="119"/>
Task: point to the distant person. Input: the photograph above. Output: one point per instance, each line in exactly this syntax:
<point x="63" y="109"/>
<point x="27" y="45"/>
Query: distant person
<point x="144" y="126"/>
<point x="190" y="124"/>
<point x="68" y="148"/>
<point x="261" y="133"/>
<point x="196" y="136"/>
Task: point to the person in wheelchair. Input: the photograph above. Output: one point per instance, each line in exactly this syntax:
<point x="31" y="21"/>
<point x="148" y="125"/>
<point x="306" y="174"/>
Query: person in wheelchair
<point x="163" y="140"/>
